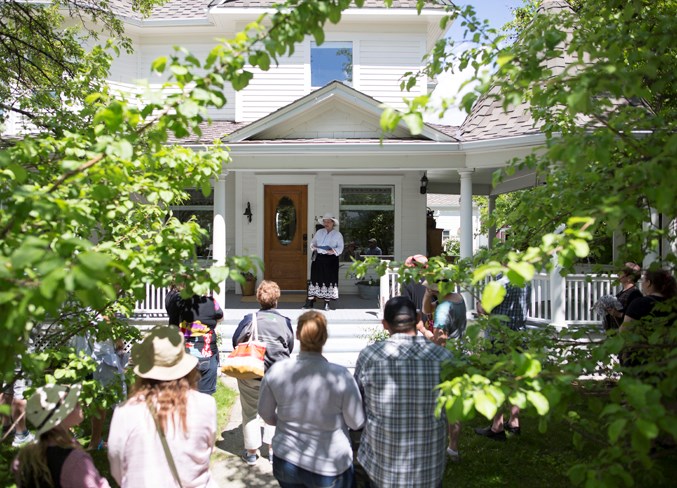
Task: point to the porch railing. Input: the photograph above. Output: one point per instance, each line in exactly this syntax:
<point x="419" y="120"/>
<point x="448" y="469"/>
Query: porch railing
<point x="572" y="298"/>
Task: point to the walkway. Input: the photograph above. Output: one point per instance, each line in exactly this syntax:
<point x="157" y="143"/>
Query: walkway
<point x="227" y="468"/>
<point x="349" y="329"/>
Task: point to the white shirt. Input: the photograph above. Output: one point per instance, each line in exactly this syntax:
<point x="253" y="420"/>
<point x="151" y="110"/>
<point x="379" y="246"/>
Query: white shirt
<point x="333" y="239"/>
<point x="135" y="451"/>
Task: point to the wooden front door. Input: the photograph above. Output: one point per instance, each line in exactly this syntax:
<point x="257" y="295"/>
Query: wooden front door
<point x="286" y="235"/>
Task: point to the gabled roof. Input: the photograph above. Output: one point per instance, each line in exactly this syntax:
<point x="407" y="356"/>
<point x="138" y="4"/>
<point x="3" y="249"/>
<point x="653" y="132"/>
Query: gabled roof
<point x="331" y="102"/>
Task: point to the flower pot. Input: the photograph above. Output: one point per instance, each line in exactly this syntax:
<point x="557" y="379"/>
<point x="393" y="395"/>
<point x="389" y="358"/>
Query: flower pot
<point x="248" y="288"/>
<point x="368" y="292"/>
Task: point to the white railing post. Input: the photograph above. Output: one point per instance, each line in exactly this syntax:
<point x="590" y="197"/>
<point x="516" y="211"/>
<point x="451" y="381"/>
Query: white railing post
<point x="557" y="298"/>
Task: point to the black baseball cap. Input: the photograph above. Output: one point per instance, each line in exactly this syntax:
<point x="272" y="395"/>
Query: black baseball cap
<point x="399" y="310"/>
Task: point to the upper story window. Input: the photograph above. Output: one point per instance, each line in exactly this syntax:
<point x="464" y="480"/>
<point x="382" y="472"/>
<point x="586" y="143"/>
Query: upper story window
<point x="331" y="61"/>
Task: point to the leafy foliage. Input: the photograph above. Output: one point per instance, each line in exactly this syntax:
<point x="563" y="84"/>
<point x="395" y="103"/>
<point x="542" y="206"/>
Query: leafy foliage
<point x="599" y="82"/>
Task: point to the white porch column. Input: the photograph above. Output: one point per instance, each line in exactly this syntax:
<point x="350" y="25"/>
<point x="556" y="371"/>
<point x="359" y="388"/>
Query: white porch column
<point x="652" y="251"/>
<point x="219" y="231"/>
<point x="492" y="228"/>
<point x="617" y="240"/>
<point x="466" y="212"/>
<point x="558" y="288"/>
<point x="466" y="224"/>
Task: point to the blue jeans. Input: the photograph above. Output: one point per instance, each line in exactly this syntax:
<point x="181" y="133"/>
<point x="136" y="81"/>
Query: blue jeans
<point x="208" y="368"/>
<point x="291" y="476"/>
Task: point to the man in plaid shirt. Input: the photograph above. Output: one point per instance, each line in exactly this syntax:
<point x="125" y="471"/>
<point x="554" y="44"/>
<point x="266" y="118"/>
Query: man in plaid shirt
<point x="403" y="443"/>
<point x="515" y="306"/>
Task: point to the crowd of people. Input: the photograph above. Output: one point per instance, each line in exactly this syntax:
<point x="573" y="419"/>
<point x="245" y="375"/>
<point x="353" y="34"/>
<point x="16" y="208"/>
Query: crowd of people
<point x="304" y="409"/>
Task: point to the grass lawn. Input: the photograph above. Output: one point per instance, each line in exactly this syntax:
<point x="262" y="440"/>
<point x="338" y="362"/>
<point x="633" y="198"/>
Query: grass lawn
<point x="531" y="459"/>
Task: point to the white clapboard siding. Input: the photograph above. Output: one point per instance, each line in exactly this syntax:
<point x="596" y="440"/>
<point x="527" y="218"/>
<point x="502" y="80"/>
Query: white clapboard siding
<point x="384" y="62"/>
<point x="273" y="89"/>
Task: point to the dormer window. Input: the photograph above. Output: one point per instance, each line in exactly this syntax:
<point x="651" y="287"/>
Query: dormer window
<point x="331" y="61"/>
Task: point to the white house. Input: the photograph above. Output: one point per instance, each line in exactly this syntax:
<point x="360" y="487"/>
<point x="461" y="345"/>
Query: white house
<point x="305" y="137"/>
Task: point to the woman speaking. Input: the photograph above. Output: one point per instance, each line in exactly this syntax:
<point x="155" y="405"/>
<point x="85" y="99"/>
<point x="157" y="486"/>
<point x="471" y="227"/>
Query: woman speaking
<point x="327" y="246"/>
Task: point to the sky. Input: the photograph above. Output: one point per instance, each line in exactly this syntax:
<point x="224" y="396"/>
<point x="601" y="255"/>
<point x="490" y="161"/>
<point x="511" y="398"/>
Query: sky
<point x="498" y="12"/>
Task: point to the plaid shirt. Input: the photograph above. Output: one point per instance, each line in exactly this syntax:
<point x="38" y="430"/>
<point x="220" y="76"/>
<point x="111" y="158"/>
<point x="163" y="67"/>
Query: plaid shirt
<point x="515" y="305"/>
<point x="403" y="444"/>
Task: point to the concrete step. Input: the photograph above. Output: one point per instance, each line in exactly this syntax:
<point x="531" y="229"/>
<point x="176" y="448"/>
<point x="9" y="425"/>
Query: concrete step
<point x="346" y="340"/>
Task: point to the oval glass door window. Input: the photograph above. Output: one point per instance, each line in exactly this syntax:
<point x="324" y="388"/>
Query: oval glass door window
<point x="285" y="221"/>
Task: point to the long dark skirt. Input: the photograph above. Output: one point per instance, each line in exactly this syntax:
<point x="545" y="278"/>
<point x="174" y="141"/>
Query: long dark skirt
<point x="324" y="277"/>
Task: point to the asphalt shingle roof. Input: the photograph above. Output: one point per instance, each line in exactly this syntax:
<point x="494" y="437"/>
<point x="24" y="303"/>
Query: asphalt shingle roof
<point x="197" y="9"/>
<point x="488" y="119"/>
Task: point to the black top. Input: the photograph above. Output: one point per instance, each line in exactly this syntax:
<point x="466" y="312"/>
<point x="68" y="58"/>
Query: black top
<point x="56" y="456"/>
<point x="196" y="317"/>
<point x="644" y="306"/>
<point x="414" y="291"/>
<point x="625" y="297"/>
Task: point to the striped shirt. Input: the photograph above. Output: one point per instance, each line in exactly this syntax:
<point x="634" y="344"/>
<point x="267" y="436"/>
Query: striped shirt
<point x="403" y="443"/>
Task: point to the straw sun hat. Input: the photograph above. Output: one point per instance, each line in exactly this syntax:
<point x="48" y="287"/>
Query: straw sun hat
<point x="162" y="355"/>
<point x="50" y="405"/>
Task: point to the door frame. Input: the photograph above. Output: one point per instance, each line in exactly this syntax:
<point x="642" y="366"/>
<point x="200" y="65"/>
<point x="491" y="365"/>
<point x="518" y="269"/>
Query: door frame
<point x="274" y="252"/>
<point x="243" y="178"/>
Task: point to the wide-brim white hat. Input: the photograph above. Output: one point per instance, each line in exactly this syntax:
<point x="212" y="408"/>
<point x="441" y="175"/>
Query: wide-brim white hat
<point x="327" y="216"/>
<point x="50" y="405"/>
<point x="162" y="355"/>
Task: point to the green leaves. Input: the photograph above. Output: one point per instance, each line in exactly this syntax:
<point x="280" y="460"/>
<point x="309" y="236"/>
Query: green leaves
<point x="493" y="295"/>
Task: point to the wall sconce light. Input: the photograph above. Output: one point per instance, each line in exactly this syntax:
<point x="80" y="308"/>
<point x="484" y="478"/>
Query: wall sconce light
<point x="424" y="183"/>
<point x="248" y="212"/>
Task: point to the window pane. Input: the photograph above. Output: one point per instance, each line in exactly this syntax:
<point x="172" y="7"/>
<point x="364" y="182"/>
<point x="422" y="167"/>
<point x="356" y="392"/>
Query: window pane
<point x="359" y="226"/>
<point x="331" y="61"/>
<point x="204" y="218"/>
<point x="362" y="195"/>
<point x="367" y="212"/>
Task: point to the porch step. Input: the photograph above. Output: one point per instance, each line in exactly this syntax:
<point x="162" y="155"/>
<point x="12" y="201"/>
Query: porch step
<point x="346" y="339"/>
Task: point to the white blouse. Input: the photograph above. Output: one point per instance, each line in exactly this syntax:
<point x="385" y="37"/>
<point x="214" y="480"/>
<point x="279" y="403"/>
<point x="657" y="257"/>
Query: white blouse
<point x="333" y="239"/>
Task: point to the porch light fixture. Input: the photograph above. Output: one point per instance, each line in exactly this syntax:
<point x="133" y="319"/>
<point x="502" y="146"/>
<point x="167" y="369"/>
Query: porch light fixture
<point x="424" y="183"/>
<point x="248" y="212"/>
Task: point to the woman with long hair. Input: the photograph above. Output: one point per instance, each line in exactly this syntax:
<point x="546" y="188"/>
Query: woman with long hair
<point x="164" y="434"/>
<point x="275" y="330"/>
<point x="313" y="403"/>
<point x="56" y="459"/>
<point x="658" y="286"/>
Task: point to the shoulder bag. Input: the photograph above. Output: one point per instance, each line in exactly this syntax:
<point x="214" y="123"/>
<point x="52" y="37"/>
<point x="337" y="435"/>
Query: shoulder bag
<point x="246" y="360"/>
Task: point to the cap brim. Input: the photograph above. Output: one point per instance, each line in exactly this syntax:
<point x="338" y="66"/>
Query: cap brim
<point x="161" y="373"/>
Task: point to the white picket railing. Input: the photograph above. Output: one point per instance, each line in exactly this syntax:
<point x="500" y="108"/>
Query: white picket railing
<point x="581" y="291"/>
<point x="580" y="294"/>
